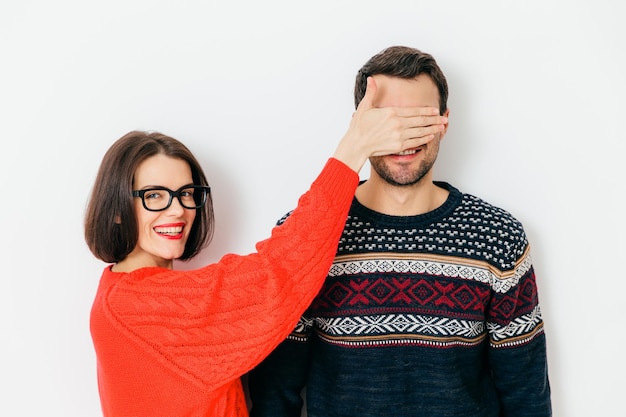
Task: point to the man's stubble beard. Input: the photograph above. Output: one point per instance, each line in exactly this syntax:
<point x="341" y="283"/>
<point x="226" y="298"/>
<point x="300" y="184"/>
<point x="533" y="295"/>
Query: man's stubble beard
<point x="405" y="177"/>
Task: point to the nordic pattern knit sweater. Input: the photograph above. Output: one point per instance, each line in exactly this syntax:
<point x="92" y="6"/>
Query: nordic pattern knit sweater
<point x="431" y="315"/>
<point x="175" y="343"/>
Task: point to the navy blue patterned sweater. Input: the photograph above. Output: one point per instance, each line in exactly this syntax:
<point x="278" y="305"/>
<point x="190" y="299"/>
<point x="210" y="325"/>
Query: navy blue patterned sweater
<point x="431" y="315"/>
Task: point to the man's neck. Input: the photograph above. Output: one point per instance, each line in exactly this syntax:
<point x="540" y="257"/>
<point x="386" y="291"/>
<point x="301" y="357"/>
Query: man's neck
<point x="422" y="197"/>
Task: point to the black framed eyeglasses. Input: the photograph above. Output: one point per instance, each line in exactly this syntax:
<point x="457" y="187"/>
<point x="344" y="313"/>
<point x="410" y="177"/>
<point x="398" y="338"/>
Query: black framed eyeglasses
<point x="160" y="198"/>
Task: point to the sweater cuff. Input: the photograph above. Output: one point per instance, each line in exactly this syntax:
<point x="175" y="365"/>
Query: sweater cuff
<point x="337" y="177"/>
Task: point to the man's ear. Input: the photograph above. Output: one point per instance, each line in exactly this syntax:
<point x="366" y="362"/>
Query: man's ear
<point x="445" y="128"/>
<point x="118" y="220"/>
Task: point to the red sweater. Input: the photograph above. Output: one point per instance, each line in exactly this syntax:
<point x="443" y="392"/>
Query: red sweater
<point x="175" y="343"/>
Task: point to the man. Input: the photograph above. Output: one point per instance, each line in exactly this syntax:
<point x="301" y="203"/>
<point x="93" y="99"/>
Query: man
<point x="430" y="308"/>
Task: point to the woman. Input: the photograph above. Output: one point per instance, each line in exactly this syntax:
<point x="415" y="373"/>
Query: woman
<point x="175" y="343"/>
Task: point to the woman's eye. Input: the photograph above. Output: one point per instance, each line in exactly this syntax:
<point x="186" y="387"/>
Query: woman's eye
<point x="152" y="195"/>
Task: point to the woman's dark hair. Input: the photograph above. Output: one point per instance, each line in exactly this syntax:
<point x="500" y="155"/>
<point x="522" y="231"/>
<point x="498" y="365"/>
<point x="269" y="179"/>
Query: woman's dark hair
<point x="402" y="62"/>
<point x="111" y="229"/>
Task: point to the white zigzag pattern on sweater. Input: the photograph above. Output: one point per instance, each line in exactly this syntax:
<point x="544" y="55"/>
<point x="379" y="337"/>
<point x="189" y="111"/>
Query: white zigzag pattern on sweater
<point x="404" y="328"/>
<point x="452" y="270"/>
<point x="399" y="323"/>
<point x="520" y="326"/>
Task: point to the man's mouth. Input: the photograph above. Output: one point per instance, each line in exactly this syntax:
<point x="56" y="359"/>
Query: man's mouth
<point x="407" y="152"/>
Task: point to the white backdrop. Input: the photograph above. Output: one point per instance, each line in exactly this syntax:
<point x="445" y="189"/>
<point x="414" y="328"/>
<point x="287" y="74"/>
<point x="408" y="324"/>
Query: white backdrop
<point x="261" y="91"/>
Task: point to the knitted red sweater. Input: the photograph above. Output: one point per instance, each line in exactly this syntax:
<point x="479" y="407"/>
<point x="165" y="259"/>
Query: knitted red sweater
<point x="175" y="343"/>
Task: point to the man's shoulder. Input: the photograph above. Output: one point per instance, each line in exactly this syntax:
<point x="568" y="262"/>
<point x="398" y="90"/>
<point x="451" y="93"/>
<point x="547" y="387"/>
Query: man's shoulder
<point x="471" y="204"/>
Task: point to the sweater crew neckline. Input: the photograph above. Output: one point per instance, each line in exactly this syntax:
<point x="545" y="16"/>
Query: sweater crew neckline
<point x="452" y="201"/>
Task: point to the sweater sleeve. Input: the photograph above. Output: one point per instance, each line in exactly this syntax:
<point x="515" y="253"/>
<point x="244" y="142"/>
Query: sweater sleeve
<point x="517" y="354"/>
<point x="275" y="385"/>
<point x="214" y="324"/>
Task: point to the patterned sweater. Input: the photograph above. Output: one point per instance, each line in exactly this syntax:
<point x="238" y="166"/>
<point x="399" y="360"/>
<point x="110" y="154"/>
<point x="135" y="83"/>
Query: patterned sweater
<point x="175" y="343"/>
<point x="431" y="315"/>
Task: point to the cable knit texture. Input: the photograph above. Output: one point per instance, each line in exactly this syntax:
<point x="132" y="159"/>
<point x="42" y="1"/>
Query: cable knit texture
<point x="175" y="343"/>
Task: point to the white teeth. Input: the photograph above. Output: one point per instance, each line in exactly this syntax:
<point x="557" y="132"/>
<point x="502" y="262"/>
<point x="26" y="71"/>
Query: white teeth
<point x="168" y="230"/>
<point x="407" y="152"/>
